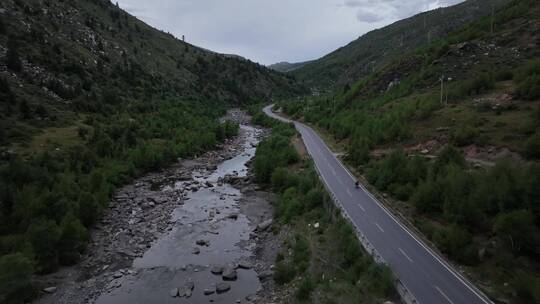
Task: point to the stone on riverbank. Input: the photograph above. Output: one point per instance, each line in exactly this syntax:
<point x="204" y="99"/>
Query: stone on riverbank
<point x="264" y="225"/>
<point x="51" y="289"/>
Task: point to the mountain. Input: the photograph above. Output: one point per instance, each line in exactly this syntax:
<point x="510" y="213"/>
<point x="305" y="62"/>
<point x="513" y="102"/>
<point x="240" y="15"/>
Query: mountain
<point x="91" y="97"/>
<point x="376" y="48"/>
<point x="286" y="66"/>
<point x="73" y="55"/>
<point x="448" y="135"/>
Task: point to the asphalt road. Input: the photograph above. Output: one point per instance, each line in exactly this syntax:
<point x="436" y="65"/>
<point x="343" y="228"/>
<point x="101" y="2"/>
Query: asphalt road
<point x="425" y="275"/>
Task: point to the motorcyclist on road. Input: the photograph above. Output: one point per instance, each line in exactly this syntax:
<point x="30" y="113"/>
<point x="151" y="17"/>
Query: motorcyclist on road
<point x="357" y="184"/>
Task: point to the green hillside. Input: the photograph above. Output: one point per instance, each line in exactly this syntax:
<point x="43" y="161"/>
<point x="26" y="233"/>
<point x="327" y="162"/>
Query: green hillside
<point x="459" y="159"/>
<point x="89" y="98"/>
<point x="376" y="48"/>
<point x="286" y="66"/>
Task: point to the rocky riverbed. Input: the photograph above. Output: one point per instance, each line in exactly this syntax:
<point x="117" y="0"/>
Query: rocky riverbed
<point x="196" y="232"/>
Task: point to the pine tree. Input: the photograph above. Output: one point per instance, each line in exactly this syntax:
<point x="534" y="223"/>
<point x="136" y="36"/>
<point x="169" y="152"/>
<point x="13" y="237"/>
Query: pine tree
<point x="13" y="61"/>
<point x="24" y="108"/>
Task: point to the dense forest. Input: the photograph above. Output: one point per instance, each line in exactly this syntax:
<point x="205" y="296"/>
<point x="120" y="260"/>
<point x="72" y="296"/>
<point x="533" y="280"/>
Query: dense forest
<point x="91" y="97"/>
<point x="455" y="149"/>
<point x="327" y="263"/>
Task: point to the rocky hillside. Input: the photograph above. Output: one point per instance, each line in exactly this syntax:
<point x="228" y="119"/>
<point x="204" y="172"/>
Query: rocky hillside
<point x="90" y="98"/>
<point x="376" y="48"/>
<point x="59" y="57"/>
<point x="449" y="136"/>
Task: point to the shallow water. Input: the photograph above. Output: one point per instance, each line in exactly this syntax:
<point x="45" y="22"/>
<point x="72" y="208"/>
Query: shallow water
<point x="211" y="214"/>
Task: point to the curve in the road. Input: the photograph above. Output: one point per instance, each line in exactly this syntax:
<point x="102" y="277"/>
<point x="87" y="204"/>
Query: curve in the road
<point x="423" y="272"/>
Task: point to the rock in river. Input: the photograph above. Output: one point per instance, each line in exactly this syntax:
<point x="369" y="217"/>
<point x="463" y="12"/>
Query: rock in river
<point x="216" y="270"/>
<point x="244" y="265"/>
<point x="209" y="291"/>
<point x="202" y="242"/>
<point x="229" y="274"/>
<point x="223" y="287"/>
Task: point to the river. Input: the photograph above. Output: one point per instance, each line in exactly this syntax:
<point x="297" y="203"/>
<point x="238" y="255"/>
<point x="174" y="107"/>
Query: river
<point x="188" y="234"/>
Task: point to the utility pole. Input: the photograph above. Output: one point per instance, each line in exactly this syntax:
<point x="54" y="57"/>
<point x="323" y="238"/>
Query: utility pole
<point x="492" y="19"/>
<point x="442" y="88"/>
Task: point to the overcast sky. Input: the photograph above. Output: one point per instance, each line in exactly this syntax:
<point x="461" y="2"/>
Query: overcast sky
<point x="270" y="31"/>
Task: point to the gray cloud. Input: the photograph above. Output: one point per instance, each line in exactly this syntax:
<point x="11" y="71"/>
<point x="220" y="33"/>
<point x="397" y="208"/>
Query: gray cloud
<point x="269" y="31"/>
<point x="368" y="16"/>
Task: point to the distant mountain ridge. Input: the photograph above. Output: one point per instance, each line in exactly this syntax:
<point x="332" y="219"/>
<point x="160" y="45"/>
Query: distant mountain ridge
<point x="376" y="48"/>
<point x="287" y="66"/>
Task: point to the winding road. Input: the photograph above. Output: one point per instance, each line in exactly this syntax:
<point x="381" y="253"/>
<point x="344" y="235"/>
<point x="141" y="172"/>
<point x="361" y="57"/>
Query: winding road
<point x="422" y="272"/>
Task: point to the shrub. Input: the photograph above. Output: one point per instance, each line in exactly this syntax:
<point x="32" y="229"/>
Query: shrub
<point x="44" y="236"/>
<point x="15" y="278"/>
<point x="504" y="75"/>
<point x="89" y="209"/>
<point x="72" y="241"/>
<point x="13" y="62"/>
<point x="314" y="198"/>
<point x="289" y="205"/>
<point x="426" y="197"/>
<point x="301" y="253"/>
<point x="527" y="287"/>
<point x="518" y="230"/>
<point x="303" y="293"/>
<point x="284" y="273"/>
<point x="456" y="242"/>
<point x="532" y="146"/>
<point x="464" y="135"/>
<point x="479" y="84"/>
<point x="381" y="280"/>
<point x="529" y="89"/>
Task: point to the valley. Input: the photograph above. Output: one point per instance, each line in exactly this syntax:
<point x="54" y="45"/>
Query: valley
<point x="181" y="230"/>
<point x="138" y="167"/>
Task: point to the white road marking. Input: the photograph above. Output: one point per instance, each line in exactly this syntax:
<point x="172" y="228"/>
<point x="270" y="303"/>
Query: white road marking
<point x="443" y="294"/>
<point x="360" y="206"/>
<point x="403" y="252"/>
<point x="333" y="171"/>
<point x="378" y="226"/>
<point x="349" y="193"/>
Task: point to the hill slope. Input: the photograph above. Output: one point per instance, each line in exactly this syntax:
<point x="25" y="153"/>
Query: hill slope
<point x="89" y="98"/>
<point x="459" y="159"/>
<point x="376" y="48"/>
<point x="287" y="66"/>
<point x="85" y="54"/>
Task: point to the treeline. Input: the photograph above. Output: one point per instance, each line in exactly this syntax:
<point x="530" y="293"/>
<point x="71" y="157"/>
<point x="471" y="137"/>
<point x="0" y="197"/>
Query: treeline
<point x="352" y="275"/>
<point x="49" y="200"/>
